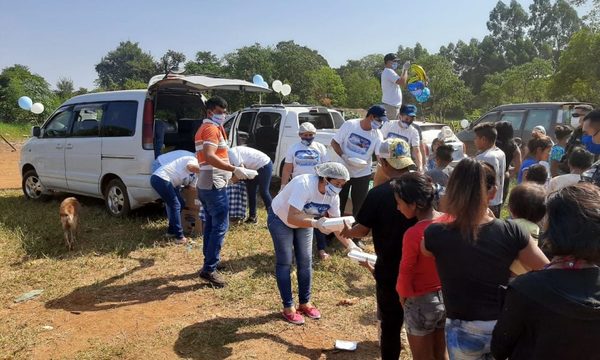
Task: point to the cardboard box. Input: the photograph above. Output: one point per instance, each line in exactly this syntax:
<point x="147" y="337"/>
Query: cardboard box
<point x="190" y="196"/>
<point x="191" y="223"/>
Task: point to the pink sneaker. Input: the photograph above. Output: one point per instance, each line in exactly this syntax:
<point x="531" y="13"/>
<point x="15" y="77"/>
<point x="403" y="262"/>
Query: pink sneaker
<point x="294" y="318"/>
<point x="312" y="312"/>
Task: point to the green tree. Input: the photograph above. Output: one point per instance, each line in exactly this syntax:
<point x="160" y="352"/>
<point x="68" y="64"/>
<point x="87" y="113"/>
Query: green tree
<point x="205" y="63"/>
<point x="362" y="88"/>
<point x="528" y="82"/>
<point x="126" y="62"/>
<point x="552" y="25"/>
<point x="371" y="65"/>
<point x="508" y="27"/>
<point x="17" y="81"/>
<point x="578" y="75"/>
<point x="326" y="87"/>
<point x="64" y="88"/>
<point x="170" y="61"/>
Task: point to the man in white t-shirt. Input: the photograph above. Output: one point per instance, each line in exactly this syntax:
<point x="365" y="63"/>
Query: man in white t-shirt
<point x="355" y="142"/>
<point x="405" y="130"/>
<point x="168" y="157"/>
<point x="254" y="159"/>
<point x="579" y="161"/>
<point x="391" y="85"/>
<point x="485" y="141"/>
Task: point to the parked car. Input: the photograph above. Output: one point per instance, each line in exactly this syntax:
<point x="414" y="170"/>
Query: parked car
<point x="272" y="129"/>
<point x="102" y="144"/>
<point x="523" y="117"/>
<point x="430" y="131"/>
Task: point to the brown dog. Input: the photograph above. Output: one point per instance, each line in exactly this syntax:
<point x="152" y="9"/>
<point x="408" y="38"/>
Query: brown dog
<point x="69" y="218"/>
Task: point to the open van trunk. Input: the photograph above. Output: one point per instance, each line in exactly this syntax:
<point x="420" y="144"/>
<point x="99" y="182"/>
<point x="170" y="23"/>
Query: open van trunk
<point x="178" y="108"/>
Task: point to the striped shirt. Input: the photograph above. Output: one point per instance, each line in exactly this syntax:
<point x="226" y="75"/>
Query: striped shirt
<point x="210" y="134"/>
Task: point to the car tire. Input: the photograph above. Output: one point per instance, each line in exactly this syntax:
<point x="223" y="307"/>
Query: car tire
<point x="32" y="186"/>
<point x="116" y="198"/>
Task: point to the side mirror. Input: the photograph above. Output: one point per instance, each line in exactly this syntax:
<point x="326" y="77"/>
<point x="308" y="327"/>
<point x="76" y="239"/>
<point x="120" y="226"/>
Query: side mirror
<point x="464" y="123"/>
<point x="36" y="131"/>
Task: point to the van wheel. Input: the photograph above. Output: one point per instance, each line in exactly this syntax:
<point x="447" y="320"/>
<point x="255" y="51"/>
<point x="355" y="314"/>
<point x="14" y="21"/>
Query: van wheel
<point x="32" y="186"/>
<point x="116" y="198"/>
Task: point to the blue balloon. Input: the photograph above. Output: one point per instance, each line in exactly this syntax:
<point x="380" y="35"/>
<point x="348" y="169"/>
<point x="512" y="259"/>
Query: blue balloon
<point x="258" y="79"/>
<point x="424" y="96"/>
<point x="416" y="93"/>
<point x="415" y="86"/>
<point x="25" y="103"/>
<point x="264" y="84"/>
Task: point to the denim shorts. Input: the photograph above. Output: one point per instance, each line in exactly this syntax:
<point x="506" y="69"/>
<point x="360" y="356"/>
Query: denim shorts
<point x="468" y="340"/>
<point x="424" y="314"/>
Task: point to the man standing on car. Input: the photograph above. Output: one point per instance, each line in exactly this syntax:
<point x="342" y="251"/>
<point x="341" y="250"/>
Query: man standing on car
<point x="215" y="172"/>
<point x="391" y="85"/>
<point x="355" y="142"/>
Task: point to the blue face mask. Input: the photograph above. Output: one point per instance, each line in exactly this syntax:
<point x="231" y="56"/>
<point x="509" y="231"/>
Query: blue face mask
<point x="307" y="141"/>
<point x="394" y="65"/>
<point x="218" y="118"/>
<point x="375" y="125"/>
<point x="331" y="190"/>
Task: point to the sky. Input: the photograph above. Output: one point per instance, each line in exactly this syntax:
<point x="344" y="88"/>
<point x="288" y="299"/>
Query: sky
<point x="67" y="38"/>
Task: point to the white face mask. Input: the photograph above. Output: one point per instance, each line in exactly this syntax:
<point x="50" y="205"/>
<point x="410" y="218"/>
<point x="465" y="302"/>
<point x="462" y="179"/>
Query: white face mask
<point x="218" y="118"/>
<point x="575" y="121"/>
<point x="332" y="190"/>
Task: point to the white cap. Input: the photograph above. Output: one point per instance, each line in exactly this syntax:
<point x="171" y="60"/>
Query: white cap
<point x="540" y="128"/>
<point x="307" y="127"/>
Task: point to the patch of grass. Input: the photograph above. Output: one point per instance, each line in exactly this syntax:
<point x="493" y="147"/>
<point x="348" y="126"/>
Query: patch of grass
<point x="15" y="132"/>
<point x="125" y="292"/>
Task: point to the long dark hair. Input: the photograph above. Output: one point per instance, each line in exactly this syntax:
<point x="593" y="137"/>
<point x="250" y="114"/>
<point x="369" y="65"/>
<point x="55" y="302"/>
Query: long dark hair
<point x="415" y="188"/>
<point x="466" y="196"/>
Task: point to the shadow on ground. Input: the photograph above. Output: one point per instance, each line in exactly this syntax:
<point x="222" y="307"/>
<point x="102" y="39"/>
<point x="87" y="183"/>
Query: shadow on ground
<point x="213" y="339"/>
<point x="105" y="295"/>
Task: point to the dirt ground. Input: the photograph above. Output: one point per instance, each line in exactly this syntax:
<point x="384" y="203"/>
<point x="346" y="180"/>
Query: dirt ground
<point x="10" y="178"/>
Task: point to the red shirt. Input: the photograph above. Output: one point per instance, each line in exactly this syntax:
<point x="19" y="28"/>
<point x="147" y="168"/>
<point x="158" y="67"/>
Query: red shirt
<point x="418" y="273"/>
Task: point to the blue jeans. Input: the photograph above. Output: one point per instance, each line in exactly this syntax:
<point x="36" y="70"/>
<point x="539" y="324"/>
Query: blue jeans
<point x="172" y="199"/>
<point x="468" y="340"/>
<point x="289" y="242"/>
<point x="155" y="166"/>
<point x="159" y="137"/>
<point x="262" y="182"/>
<point x="216" y="207"/>
<point x="321" y="240"/>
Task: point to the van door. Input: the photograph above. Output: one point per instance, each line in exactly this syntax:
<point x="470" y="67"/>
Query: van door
<point x="49" y="150"/>
<point x="266" y="132"/>
<point x="83" y="150"/>
<point x="539" y="117"/>
<point x="515" y="118"/>
<point x="242" y="134"/>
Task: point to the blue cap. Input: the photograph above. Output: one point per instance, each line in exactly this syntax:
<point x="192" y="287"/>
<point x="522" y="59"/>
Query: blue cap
<point x="409" y="110"/>
<point x="378" y="111"/>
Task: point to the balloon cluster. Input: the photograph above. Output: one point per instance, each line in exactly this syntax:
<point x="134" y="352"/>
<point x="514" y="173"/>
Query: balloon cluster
<point x="26" y="103"/>
<point x="417" y="83"/>
<point x="279" y="87"/>
<point x="258" y="80"/>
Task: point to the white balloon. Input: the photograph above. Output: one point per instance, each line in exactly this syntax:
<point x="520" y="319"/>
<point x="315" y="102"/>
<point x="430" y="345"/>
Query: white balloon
<point x="277" y="84"/>
<point x="464" y="123"/>
<point x="286" y="89"/>
<point x="37" y="108"/>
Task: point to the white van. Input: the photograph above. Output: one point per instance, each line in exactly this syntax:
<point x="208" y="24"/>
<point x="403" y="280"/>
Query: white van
<point x="102" y="144"/>
<point x="272" y="129"/>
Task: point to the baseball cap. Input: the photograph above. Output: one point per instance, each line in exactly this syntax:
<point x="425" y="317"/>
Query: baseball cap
<point x="584" y="107"/>
<point x="409" y="110"/>
<point x="396" y="152"/>
<point x="378" y="111"/>
<point x="307" y="127"/>
<point x="390" y="57"/>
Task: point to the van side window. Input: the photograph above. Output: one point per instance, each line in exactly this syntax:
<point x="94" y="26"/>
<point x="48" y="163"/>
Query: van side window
<point x="87" y="120"/>
<point x="246" y="122"/>
<point x="119" y="119"/>
<point x="319" y="120"/>
<point x="338" y="119"/>
<point x="58" y="126"/>
<point x="539" y="117"/>
<point x="515" y="118"/>
<point x="491" y="117"/>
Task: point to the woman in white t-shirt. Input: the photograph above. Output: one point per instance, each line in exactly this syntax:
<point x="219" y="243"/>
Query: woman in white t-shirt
<point x="291" y="220"/>
<point x="301" y="158"/>
<point x="166" y="181"/>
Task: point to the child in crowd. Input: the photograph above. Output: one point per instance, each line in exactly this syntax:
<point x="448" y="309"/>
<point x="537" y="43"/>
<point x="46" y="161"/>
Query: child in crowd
<point x="537" y="174"/>
<point x="419" y="285"/>
<point x="562" y="133"/>
<point x="579" y="161"/>
<point x="440" y="173"/>
<point x="431" y="158"/>
<point x="539" y="150"/>
<point x="485" y="141"/>
<point x="526" y="204"/>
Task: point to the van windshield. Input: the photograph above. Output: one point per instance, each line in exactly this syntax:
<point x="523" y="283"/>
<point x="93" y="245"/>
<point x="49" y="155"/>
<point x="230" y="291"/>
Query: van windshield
<point x="319" y="120"/>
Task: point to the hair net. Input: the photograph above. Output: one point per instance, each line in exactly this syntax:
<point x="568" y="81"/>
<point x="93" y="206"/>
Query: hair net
<point x="333" y="170"/>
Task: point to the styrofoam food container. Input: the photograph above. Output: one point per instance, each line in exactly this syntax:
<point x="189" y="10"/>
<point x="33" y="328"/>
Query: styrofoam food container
<point x="337" y="224"/>
<point x="357" y="162"/>
<point x="360" y="256"/>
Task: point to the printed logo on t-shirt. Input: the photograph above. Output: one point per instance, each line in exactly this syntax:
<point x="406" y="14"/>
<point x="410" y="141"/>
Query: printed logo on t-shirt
<point x="358" y="144"/>
<point x="316" y="209"/>
<point x="307" y="157"/>
<point x="396" y="136"/>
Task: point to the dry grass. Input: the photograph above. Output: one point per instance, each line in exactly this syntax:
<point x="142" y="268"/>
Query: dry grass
<point x="126" y="293"/>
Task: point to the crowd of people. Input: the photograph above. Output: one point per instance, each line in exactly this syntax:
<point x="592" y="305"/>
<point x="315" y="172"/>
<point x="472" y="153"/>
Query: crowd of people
<point x="464" y="282"/>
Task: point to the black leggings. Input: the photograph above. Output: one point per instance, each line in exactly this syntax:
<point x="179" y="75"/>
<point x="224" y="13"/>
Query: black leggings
<point x="391" y="317"/>
<point x="360" y="187"/>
